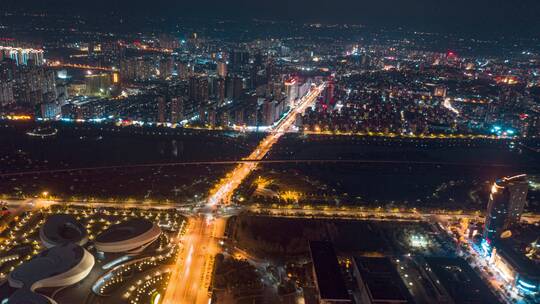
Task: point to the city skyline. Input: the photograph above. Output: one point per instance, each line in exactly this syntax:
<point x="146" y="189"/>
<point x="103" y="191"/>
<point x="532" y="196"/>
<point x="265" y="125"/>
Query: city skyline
<point x="477" y="18"/>
<point x="233" y="152"/>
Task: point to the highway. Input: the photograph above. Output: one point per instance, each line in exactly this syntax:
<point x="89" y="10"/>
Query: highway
<point x="375" y="214"/>
<point x="19" y="206"/>
<point x="192" y="274"/>
<point x="58" y="64"/>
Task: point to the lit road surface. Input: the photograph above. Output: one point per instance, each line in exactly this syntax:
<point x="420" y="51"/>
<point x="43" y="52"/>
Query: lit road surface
<point x="192" y="273"/>
<point x="18" y="207"/>
<point x="224" y="190"/>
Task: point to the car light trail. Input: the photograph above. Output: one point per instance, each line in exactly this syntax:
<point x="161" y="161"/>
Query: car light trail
<point x="223" y="192"/>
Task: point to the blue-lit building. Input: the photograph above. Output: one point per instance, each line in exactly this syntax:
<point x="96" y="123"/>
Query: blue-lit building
<point x="506" y="202"/>
<point x="505" y="206"/>
<point x="22" y="56"/>
<point x="516" y="268"/>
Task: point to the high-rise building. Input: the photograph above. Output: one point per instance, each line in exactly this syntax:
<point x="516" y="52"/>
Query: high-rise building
<point x="275" y="88"/>
<point x="220" y="88"/>
<point x="234" y="88"/>
<point x="439" y="92"/>
<point x="270" y="70"/>
<point x="183" y="70"/>
<point x="34" y="85"/>
<point x="254" y="78"/>
<point x="50" y="110"/>
<point x="98" y="84"/>
<point x="139" y="68"/>
<point x="269" y="112"/>
<point x="258" y="60"/>
<point x="198" y="91"/>
<point x="194" y="41"/>
<point x="291" y="91"/>
<point x="505" y="206"/>
<point x="534" y="125"/>
<point x="113" y="52"/>
<point x="165" y="67"/>
<point x="329" y="93"/>
<point x="177" y="109"/>
<point x="161" y="106"/>
<point x="212" y="117"/>
<point x="238" y="88"/>
<point x="169" y="41"/>
<point x="6" y="93"/>
<point x="22" y="56"/>
<point x="222" y="69"/>
<point x="239" y="58"/>
<point x="91" y="49"/>
<point x="8" y="68"/>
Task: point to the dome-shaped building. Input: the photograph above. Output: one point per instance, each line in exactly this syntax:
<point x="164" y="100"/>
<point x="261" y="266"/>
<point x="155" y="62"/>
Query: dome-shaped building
<point x="59" y="266"/>
<point x="129" y="236"/>
<point x="62" y="229"/>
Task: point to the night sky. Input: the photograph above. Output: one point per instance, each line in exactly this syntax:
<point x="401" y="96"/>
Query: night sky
<point x="516" y="17"/>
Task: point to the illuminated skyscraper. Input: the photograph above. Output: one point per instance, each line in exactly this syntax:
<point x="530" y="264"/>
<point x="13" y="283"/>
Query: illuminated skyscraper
<point x="505" y="207"/>
<point x="22" y="56"/>
<point x="222" y="69"/>
<point x="291" y="91"/>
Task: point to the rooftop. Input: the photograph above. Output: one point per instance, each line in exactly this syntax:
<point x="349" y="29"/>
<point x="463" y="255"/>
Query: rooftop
<point x="25" y="296"/>
<point x="63" y="228"/>
<point x="460" y="280"/>
<point x="125" y="231"/>
<point x="49" y="263"/>
<point x="382" y="279"/>
<point x="328" y="275"/>
<point x="510" y="250"/>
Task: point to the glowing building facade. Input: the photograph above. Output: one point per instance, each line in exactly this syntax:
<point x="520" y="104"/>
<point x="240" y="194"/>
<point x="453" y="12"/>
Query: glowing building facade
<point x="505" y="207"/>
<point x="22" y="56"/>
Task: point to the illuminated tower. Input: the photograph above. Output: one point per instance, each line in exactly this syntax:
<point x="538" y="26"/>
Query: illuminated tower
<point x="505" y="206"/>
